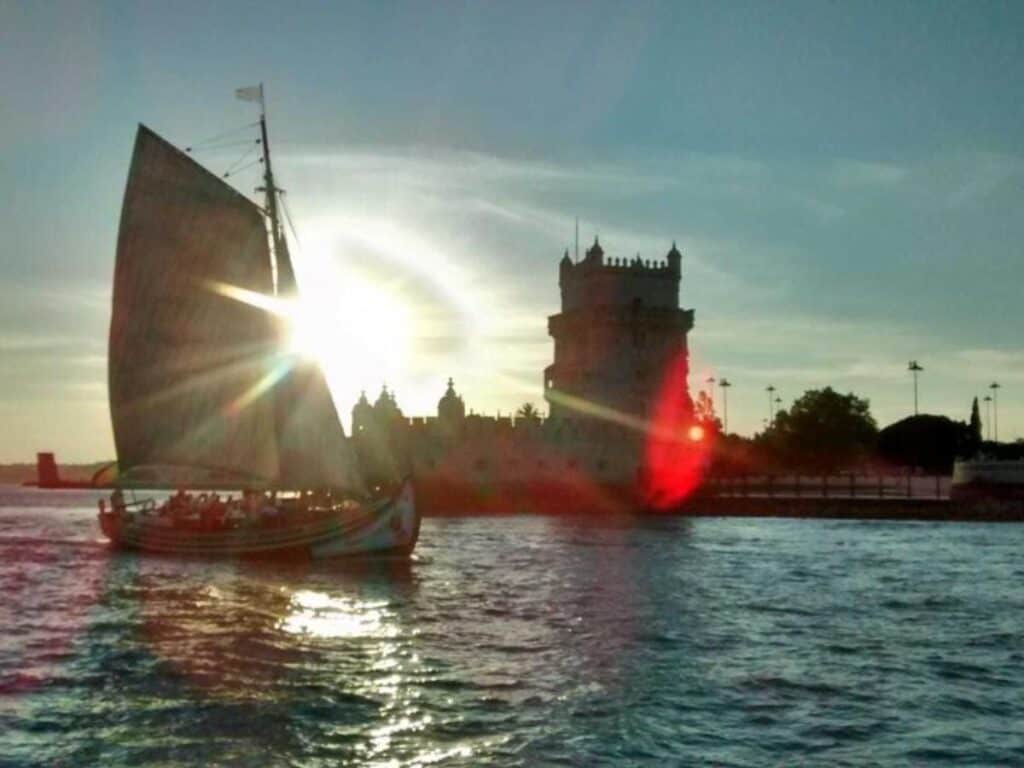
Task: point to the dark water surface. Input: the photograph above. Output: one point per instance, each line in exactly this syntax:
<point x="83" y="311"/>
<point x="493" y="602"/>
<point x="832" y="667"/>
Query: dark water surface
<point x="527" y="641"/>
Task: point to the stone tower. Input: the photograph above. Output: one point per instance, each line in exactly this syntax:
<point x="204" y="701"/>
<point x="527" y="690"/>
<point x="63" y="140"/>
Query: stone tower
<point x="619" y="330"/>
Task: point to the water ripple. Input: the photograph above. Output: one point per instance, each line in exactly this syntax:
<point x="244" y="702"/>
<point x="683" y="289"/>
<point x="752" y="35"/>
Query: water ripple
<point x="518" y="642"/>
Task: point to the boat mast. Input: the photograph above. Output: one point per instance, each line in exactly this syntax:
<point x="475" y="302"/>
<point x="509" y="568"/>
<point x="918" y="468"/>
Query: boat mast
<point x="271" y="191"/>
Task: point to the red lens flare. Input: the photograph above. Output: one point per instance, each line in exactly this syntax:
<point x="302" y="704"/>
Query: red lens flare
<point x="677" y="451"/>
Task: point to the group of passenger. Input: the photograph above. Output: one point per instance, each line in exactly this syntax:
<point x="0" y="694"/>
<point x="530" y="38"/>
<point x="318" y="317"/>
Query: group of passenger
<point x="211" y="511"/>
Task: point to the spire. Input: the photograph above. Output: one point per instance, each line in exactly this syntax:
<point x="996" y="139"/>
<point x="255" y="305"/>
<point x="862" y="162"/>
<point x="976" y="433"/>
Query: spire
<point x="362" y="414"/>
<point x="675" y="260"/>
<point x="450" y="408"/>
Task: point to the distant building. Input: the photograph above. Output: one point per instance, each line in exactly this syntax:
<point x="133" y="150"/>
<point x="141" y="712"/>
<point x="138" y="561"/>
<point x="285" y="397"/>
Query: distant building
<point x="619" y="329"/>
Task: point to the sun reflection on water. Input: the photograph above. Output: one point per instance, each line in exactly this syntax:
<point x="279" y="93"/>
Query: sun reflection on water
<point x="392" y="675"/>
<point x="322" y="615"/>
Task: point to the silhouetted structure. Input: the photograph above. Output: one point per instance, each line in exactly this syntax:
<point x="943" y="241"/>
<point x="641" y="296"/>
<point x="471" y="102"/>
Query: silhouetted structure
<point x="619" y="329"/>
<point x="48" y="475"/>
<point x="46" y="470"/>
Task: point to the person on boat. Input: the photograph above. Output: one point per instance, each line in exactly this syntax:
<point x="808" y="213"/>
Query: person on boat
<point x="179" y="500"/>
<point x="174" y="503"/>
<point x="117" y="501"/>
<point x="251" y="503"/>
<point x="211" y="515"/>
<point x="269" y="514"/>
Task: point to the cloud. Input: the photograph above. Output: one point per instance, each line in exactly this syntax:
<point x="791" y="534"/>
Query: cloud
<point x="983" y="364"/>
<point x="846" y="174"/>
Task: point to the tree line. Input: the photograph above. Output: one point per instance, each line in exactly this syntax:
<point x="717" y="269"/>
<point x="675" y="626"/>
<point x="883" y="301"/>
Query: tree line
<point x="825" y="431"/>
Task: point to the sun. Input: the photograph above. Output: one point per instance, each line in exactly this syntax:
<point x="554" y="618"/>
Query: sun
<point x="349" y="322"/>
<point x="355" y="327"/>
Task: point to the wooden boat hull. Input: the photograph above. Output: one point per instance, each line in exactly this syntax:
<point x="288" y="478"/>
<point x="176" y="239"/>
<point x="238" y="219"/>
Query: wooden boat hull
<point x="387" y="527"/>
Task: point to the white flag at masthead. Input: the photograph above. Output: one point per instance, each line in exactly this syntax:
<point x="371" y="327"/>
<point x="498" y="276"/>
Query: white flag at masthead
<point x="250" y="93"/>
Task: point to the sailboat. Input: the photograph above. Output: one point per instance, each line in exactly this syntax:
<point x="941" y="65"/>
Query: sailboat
<point x="205" y="393"/>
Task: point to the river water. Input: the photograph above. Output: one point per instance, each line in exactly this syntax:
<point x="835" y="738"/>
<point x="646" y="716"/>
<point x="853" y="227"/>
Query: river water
<point x="518" y="641"/>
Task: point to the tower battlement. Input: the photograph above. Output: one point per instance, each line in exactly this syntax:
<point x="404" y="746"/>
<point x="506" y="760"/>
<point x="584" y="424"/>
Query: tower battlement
<point x="619" y="331"/>
<point x="599" y="281"/>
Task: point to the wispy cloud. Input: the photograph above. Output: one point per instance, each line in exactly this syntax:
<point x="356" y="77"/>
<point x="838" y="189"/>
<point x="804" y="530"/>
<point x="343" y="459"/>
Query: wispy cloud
<point x="847" y="174"/>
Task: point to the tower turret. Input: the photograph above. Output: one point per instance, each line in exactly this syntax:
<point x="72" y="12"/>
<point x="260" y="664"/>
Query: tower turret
<point x="675" y="261"/>
<point x="450" y="408"/>
<point x="362" y="414"/>
<point x="385" y="409"/>
<point x="564" y="267"/>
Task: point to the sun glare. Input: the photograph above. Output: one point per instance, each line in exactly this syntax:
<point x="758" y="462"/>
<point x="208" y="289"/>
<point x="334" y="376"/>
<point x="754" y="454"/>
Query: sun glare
<point x="385" y="305"/>
<point x="344" y="323"/>
<point x="347" y="322"/>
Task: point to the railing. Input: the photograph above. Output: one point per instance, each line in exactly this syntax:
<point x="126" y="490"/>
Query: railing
<point x="848" y="486"/>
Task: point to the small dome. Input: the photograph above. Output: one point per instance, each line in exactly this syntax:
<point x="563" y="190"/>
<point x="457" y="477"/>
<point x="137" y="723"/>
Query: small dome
<point x="450" y="406"/>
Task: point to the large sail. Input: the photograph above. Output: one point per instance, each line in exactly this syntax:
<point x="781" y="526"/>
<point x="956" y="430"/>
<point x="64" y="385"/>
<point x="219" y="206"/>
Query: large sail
<point x="190" y="370"/>
<point x="312" y="447"/>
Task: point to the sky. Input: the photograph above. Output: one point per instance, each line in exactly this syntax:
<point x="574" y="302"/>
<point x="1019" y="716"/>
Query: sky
<point x="845" y="181"/>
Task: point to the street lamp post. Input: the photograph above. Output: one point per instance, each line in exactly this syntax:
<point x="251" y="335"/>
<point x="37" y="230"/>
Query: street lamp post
<point x="988" y="416"/>
<point x="770" y="389"/>
<point x="915" y="369"/>
<point x="995" y="386"/>
<point x="724" y="384"/>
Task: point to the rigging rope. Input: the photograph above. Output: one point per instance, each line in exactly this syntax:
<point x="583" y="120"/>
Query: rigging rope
<point x="237" y="164"/>
<point x="220" y="136"/>
<point x="257" y="161"/>
<point x="288" y="218"/>
<point x="225" y="145"/>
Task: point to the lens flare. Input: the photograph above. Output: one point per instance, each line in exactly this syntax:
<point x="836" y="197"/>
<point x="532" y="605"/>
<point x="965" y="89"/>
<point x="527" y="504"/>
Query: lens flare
<point x="677" y="450"/>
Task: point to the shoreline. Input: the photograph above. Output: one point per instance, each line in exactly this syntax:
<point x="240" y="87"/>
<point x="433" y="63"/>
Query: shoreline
<point x="906" y="510"/>
<point x="807" y="507"/>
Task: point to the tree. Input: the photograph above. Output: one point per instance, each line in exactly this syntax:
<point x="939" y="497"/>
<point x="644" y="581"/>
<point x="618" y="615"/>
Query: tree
<point x="823" y="431"/>
<point x="528" y="412"/>
<point x="975" y="427"/>
<point x="704" y="412"/>
<point x="925" y="441"/>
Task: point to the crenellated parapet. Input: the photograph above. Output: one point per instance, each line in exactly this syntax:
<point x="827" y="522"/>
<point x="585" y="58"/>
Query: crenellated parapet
<point x="600" y="281"/>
